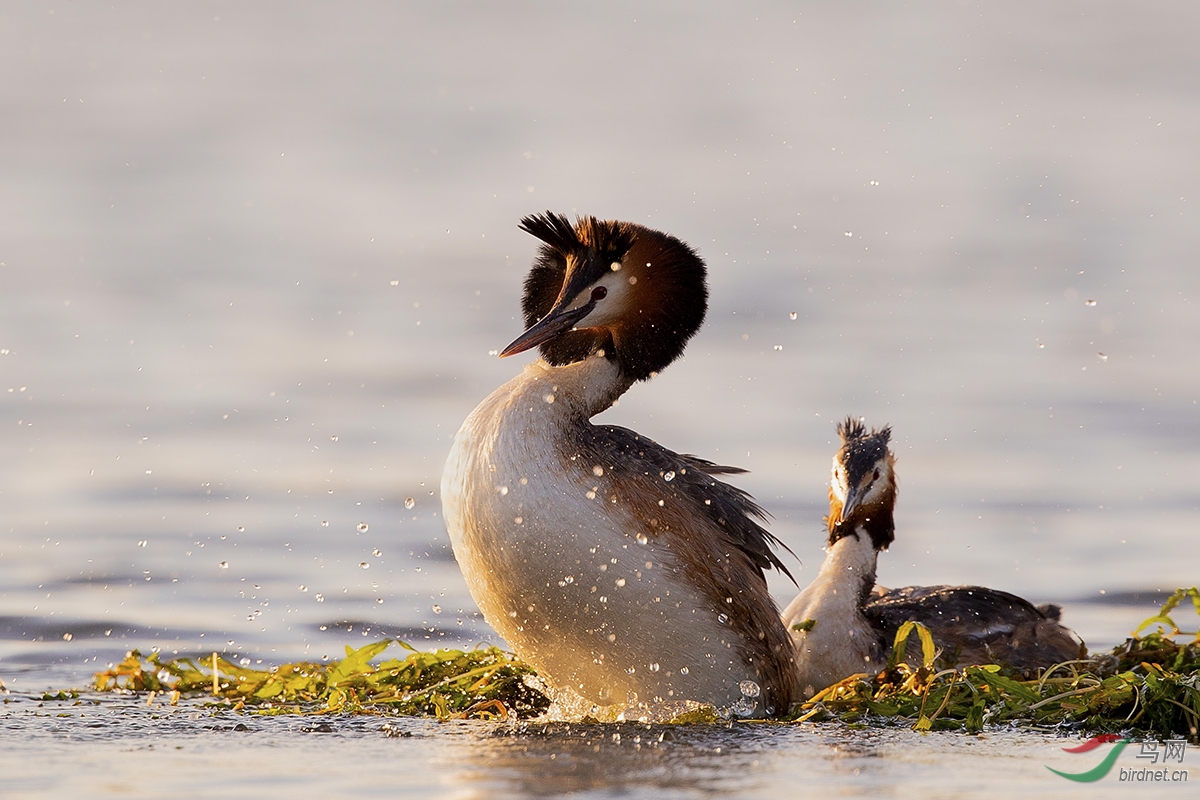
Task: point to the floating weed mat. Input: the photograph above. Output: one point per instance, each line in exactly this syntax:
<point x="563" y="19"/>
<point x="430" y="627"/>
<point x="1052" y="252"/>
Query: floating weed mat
<point x="1149" y="683"/>
<point x="485" y="683"/>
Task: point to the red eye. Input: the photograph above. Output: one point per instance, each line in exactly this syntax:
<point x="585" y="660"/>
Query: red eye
<point x="599" y="293"/>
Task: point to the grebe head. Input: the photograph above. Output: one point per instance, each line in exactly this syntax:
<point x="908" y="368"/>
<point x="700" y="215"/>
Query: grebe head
<point x="631" y="293"/>
<point x="862" y="487"/>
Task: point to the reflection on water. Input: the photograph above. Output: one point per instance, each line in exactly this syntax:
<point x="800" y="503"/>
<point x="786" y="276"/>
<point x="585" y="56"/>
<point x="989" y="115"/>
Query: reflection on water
<point x="115" y="744"/>
<point x="553" y="760"/>
<point x="252" y="264"/>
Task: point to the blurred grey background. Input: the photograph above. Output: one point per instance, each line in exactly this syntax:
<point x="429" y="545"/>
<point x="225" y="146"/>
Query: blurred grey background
<point x="253" y="258"/>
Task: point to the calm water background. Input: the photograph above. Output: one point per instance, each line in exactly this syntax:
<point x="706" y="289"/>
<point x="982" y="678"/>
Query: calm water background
<point x="253" y="259"/>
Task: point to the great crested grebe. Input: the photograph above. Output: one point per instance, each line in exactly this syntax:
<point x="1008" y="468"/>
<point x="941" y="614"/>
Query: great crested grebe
<point x="626" y="574"/>
<point x="844" y="624"/>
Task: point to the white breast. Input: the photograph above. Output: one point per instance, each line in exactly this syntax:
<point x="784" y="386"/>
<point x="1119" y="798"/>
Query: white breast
<point x="838" y="641"/>
<point x="560" y="571"/>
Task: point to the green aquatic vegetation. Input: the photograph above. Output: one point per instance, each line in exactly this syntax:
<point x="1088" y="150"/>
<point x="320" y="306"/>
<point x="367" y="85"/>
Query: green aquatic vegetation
<point x="483" y="683"/>
<point x="1149" y="683"/>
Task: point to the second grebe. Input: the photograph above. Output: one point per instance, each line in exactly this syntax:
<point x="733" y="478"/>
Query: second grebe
<point x="625" y="573"/>
<point x="844" y="624"/>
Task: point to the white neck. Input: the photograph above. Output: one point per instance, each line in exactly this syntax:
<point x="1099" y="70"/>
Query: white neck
<point x="834" y="640"/>
<point x="849" y="564"/>
<point x="585" y="387"/>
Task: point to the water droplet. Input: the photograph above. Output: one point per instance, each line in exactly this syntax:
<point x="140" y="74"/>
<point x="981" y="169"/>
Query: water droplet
<point x="320" y="598"/>
<point x="620" y="582"/>
<point x="363" y="565"/>
<point x="1102" y="357"/>
<point x="224" y="565"/>
<point x="654" y="667"/>
<point x="240" y="529"/>
<point x="324" y="523"/>
<point x="549" y="398"/>
<point x="409" y="503"/>
<point x="669" y="476"/>
<point x="302" y="588"/>
<point x="749" y="688"/>
<point x="436" y="608"/>
<point x="1041" y="346"/>
<point x="377" y="552"/>
<point x="378" y="599"/>
<point x="245" y="662"/>
<point x="849" y="233"/>
<point x="598" y="471"/>
<point x="721" y="618"/>
<point x="68" y="637"/>
<point x="569" y="579"/>
<point x="631" y="670"/>
<point x="778" y="347"/>
<point x="642" y="539"/>
<point x="793" y="315"/>
<point x="142" y="543"/>
<point x="333" y="438"/>
<point x="1089" y="302"/>
<point x="683" y="670"/>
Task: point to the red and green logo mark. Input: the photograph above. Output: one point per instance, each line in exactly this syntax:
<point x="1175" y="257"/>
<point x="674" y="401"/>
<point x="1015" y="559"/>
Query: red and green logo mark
<point x="1100" y="770"/>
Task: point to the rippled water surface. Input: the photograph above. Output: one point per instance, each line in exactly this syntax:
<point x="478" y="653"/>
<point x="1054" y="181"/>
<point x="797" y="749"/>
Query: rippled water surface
<point x="253" y="259"/>
<point x="119" y="748"/>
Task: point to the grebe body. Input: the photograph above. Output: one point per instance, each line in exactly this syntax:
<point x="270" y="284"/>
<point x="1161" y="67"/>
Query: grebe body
<point x="628" y="575"/>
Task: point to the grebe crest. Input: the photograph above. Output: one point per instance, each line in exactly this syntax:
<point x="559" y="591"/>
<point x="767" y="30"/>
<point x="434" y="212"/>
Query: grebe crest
<point x="632" y="293"/>
<point x="862" y="485"/>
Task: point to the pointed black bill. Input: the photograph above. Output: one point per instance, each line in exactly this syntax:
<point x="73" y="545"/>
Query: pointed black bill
<point x="852" y="501"/>
<point x="556" y="322"/>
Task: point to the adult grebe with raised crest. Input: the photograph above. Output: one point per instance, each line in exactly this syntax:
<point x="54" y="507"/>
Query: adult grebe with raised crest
<point x="626" y="574"/>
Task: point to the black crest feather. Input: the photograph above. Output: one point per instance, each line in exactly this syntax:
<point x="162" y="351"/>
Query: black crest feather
<point x="553" y="229"/>
<point x="861" y="448"/>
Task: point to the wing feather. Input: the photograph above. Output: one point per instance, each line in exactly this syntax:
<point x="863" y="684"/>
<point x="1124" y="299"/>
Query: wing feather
<point x="692" y="480"/>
